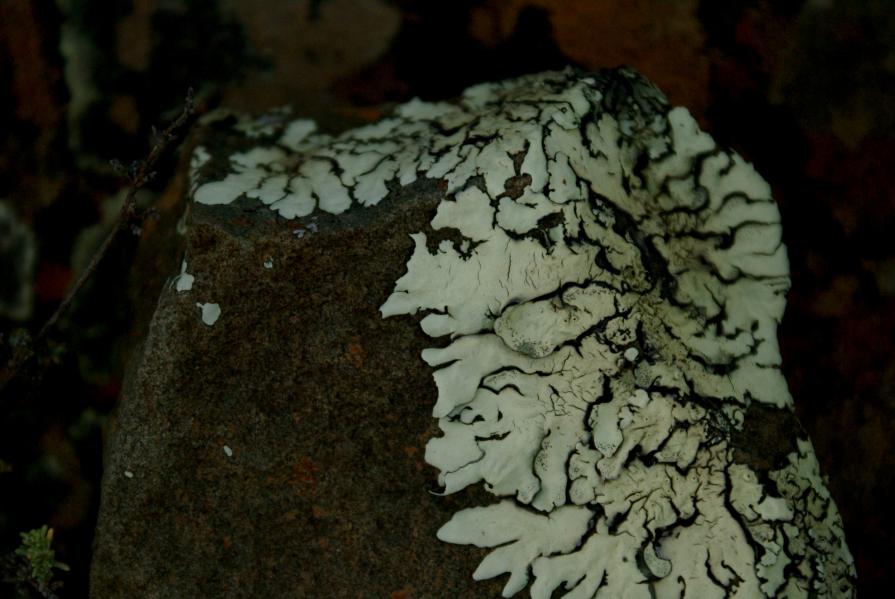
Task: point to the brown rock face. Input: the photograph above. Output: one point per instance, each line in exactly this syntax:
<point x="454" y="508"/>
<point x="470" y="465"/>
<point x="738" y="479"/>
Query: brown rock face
<point x="279" y="452"/>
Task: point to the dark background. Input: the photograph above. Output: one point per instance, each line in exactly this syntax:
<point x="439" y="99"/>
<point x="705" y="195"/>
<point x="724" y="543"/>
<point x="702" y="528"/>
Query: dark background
<point x="803" y="89"/>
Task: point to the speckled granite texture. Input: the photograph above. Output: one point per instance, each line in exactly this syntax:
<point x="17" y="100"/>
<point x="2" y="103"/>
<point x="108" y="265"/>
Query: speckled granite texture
<point x="316" y="397"/>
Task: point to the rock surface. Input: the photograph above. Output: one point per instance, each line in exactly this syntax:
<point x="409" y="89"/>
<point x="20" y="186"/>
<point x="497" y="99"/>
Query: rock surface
<point x="314" y="395"/>
<point x="271" y="434"/>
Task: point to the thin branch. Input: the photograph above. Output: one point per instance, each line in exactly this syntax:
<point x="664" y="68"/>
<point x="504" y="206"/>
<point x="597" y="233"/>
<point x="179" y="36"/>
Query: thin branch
<point x="140" y="174"/>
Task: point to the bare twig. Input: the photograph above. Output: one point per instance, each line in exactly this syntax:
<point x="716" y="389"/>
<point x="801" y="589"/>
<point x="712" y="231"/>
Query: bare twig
<point x="139" y="173"/>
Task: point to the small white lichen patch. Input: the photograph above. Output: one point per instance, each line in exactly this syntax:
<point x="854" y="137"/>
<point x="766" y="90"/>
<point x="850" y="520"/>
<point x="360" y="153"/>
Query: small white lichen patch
<point x="184" y="281"/>
<point x="128" y="474"/>
<point x="227" y="451"/>
<point x="592" y="218"/>
<point x="268" y="263"/>
<point x="199" y="159"/>
<point x="302" y="231"/>
<point x="210" y="313"/>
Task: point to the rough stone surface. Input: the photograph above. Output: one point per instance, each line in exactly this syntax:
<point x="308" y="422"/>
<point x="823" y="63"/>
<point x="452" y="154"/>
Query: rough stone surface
<point x="322" y="403"/>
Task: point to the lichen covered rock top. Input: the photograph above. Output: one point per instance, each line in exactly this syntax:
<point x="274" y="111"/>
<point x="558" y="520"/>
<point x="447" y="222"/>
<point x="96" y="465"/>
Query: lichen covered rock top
<point x="605" y="294"/>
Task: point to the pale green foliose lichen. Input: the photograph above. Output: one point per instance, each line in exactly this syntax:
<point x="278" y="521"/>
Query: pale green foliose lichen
<point x="607" y="319"/>
<point x="210" y="312"/>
